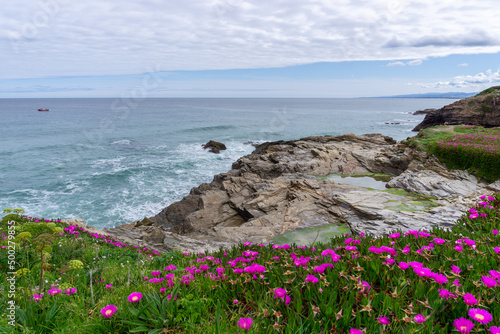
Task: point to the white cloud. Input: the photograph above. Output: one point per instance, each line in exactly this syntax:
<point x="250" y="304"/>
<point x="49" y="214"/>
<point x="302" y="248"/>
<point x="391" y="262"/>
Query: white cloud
<point x="396" y="64"/>
<point x="94" y="37"/>
<point x="463" y="65"/>
<point x="415" y="62"/>
<point x="466" y="81"/>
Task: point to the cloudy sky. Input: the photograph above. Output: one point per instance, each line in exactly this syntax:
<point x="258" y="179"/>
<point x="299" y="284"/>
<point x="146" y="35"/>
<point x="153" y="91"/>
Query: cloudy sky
<point x="232" y="48"/>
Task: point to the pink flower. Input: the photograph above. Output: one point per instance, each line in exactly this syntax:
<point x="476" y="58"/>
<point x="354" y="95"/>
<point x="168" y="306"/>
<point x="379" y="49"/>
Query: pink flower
<point x="489" y="282"/>
<point x="235" y="301"/>
<point x="497" y="250"/>
<point x="419" y="319"/>
<point x="463" y="325"/>
<point x="481" y="316"/>
<point x="383" y="320"/>
<point x="162" y="290"/>
<point x="458" y="248"/>
<point x="355" y="331"/>
<point x="366" y="287"/>
<point x="495" y="232"/>
<point x="456" y="282"/>
<point x="441" y="279"/>
<point x="456" y="269"/>
<point x="439" y="241"/>
<point x="245" y="323"/>
<point x="109" y="286"/>
<point x="311" y="279"/>
<point x="38" y="297"/>
<point x="134" y="297"/>
<point x="495" y="330"/>
<point x="70" y="291"/>
<point x="53" y="292"/>
<point x="279" y="293"/>
<point x="422" y="272"/>
<point x="108" y="311"/>
<point x="403" y="265"/>
<point x="469" y="299"/>
<point x="394" y="235"/>
<point x="444" y="293"/>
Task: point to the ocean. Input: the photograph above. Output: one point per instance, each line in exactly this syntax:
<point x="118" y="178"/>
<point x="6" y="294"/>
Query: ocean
<point x="113" y="161"/>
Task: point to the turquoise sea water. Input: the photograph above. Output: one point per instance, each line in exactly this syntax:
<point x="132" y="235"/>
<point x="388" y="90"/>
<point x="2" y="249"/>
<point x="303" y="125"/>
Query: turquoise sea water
<point x="112" y="161"/>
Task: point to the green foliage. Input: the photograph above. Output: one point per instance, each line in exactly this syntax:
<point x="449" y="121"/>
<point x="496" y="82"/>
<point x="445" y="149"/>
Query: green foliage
<point x="491" y="90"/>
<point x="466" y="147"/>
<point x="35" y="228"/>
<point x="339" y="301"/>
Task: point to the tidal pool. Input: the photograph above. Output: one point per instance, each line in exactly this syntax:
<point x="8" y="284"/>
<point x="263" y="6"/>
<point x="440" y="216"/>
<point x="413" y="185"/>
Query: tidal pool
<point x="368" y="180"/>
<point x="306" y="237"/>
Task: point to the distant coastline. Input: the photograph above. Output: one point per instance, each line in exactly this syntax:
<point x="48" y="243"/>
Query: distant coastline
<point x="448" y="95"/>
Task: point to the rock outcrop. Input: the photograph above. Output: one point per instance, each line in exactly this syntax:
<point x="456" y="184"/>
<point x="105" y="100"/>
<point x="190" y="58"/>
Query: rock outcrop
<point x="276" y="189"/>
<point x="214" y="146"/>
<point x="482" y="109"/>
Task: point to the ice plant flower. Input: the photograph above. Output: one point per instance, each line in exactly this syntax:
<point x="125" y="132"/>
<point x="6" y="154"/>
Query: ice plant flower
<point x="134" y="297"/>
<point x="311" y="279"/>
<point x="441" y="279"/>
<point x="108" y="311"/>
<point x="53" y="292"/>
<point x="463" y="325"/>
<point x="419" y="319"/>
<point x="488" y="281"/>
<point x="481" y="316"/>
<point x="245" y="323"/>
<point x="279" y="293"/>
<point x="38" y="297"/>
<point x="383" y="320"/>
<point x="455" y="269"/>
<point x="469" y="299"/>
<point x="70" y="291"/>
<point x="109" y="286"/>
<point x="444" y="293"/>
<point x="355" y="331"/>
<point x="495" y="330"/>
<point x="235" y="301"/>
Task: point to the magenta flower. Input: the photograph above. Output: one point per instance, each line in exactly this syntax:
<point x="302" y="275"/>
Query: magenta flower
<point x="495" y="232"/>
<point x="279" y="293"/>
<point x="245" y="323"/>
<point x="441" y="279"/>
<point x="134" y="297"/>
<point x="383" y="320"/>
<point x="439" y="241"/>
<point x="235" y="301"/>
<point x="456" y="269"/>
<point x="458" y="248"/>
<point x="495" y="330"/>
<point x="469" y="299"/>
<point x="489" y="282"/>
<point x="108" y="311"/>
<point x="311" y="279"/>
<point x="53" y="292"/>
<point x="38" y="297"/>
<point x="463" y="325"/>
<point x="403" y="265"/>
<point x="444" y="293"/>
<point x="479" y="315"/>
<point x="497" y="250"/>
<point x="366" y="287"/>
<point x="70" y="291"/>
<point x="419" y="319"/>
<point x="109" y="286"/>
<point x="422" y="272"/>
<point x="355" y="331"/>
<point x="456" y="282"/>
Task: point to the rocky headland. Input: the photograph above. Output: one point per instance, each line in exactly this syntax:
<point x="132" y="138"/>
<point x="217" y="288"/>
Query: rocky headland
<point x="482" y="109"/>
<point x="285" y="186"/>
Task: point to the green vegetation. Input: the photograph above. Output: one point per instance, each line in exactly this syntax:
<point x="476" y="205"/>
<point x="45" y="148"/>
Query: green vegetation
<point x="466" y="147"/>
<point x="419" y="281"/>
<point x="491" y="90"/>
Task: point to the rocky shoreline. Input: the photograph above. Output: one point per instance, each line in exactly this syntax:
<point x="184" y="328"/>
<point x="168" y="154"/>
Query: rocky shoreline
<point x="284" y="186"/>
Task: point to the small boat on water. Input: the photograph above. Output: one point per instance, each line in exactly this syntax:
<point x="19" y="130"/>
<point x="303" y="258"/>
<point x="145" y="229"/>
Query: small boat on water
<point x="43" y="109"/>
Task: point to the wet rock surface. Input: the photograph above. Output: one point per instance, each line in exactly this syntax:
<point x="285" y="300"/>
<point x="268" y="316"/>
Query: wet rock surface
<point x="276" y="189"/>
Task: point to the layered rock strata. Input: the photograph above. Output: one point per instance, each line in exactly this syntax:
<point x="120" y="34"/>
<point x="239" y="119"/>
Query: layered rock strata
<point x="277" y="189"/>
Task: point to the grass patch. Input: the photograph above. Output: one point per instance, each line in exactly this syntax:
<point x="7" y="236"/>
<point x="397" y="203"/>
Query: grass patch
<point x="420" y="281"/>
<point x="466" y="147"/>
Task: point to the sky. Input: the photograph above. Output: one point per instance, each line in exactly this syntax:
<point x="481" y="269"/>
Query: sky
<point x="245" y="48"/>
